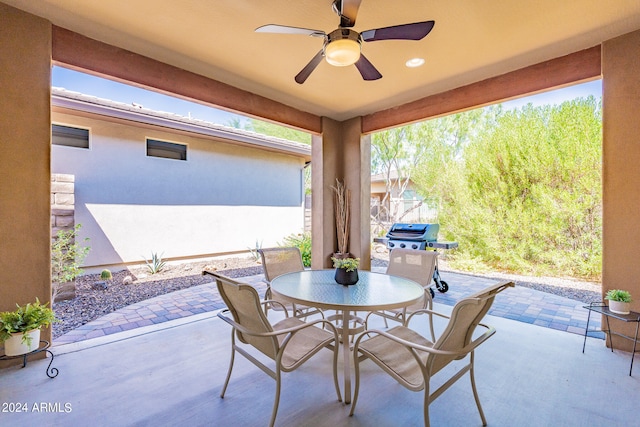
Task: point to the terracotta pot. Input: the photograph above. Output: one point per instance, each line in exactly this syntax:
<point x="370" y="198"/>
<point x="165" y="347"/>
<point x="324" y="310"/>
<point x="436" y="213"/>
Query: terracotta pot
<point x="345" y="277"/>
<point x="14" y="346"/>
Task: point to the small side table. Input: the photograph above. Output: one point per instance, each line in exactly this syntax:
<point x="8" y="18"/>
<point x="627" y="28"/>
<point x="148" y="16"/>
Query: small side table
<point x="44" y="346"/>
<point x="603" y="309"/>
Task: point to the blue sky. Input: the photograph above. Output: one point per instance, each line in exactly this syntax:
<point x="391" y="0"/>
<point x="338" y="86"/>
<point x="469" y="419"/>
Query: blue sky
<point x="108" y="89"/>
<point x="559" y="96"/>
<point x="103" y="88"/>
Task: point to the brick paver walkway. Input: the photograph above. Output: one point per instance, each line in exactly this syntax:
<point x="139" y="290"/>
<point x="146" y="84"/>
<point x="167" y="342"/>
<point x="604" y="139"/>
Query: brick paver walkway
<point x="519" y="303"/>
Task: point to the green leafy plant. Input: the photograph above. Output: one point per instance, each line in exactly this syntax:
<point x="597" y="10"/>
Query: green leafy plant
<point x="301" y="241"/>
<point x="156" y="264"/>
<point x="24" y="319"/>
<point x="618" y="295"/>
<point x="349" y="264"/>
<point x="66" y="257"/>
<point x="106" y="275"/>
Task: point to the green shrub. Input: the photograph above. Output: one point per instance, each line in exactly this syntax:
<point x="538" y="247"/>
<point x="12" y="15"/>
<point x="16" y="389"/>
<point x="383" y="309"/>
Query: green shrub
<point x="524" y="193"/>
<point x="66" y="257"/>
<point x="301" y="241"/>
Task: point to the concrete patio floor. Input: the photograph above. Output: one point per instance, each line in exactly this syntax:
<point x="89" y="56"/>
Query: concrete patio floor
<point x="171" y="374"/>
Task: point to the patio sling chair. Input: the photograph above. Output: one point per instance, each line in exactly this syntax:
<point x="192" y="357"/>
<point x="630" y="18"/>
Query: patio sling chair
<point x="416" y="265"/>
<point x="278" y="261"/>
<point x="412" y="359"/>
<point x="289" y="343"/>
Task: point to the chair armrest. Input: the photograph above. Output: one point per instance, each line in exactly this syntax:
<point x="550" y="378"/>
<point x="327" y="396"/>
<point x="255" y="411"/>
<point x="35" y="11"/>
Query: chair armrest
<point x="425" y="311"/>
<point x="274" y="302"/>
<point x="463" y="351"/>
<point x="293" y="329"/>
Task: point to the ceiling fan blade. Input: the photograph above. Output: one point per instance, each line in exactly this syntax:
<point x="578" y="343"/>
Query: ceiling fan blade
<point x="302" y="76"/>
<point x="348" y="12"/>
<point x="415" y="31"/>
<point x="283" y="29"/>
<point x="367" y="70"/>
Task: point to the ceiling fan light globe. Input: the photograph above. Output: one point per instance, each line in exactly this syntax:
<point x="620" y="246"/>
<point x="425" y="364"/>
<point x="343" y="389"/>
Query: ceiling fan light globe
<point x="342" y="53"/>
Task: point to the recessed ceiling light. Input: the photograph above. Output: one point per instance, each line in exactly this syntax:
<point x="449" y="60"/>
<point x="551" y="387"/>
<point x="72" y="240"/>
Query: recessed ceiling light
<point x="414" y="62"/>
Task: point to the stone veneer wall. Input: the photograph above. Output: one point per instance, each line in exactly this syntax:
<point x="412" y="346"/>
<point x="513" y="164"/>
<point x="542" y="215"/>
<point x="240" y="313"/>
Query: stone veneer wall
<point x="62" y="203"/>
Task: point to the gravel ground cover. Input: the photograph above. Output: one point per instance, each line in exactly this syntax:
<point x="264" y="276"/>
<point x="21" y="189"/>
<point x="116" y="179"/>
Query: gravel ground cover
<point x="91" y="302"/>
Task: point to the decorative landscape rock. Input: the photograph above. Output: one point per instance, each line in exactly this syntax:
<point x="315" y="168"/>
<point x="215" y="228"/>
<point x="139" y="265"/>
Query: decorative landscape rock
<point x="101" y="285"/>
<point x="65" y="291"/>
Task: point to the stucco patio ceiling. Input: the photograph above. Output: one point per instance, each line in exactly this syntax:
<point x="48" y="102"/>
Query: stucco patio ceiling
<point x="471" y="41"/>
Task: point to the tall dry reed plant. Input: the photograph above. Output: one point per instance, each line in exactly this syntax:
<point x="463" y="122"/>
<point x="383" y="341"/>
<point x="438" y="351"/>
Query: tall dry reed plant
<point x="342" y="203"/>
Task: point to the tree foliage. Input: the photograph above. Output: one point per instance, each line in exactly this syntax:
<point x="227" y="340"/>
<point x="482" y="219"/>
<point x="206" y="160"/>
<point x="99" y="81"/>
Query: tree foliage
<point x="394" y="154"/>
<point x="271" y="129"/>
<point x="520" y="190"/>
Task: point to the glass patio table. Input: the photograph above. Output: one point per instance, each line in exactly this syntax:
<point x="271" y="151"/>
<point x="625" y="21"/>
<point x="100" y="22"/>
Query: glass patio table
<point x="373" y="292"/>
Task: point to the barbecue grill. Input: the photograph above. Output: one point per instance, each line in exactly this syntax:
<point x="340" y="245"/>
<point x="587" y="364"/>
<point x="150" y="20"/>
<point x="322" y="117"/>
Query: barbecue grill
<point x="420" y="237"/>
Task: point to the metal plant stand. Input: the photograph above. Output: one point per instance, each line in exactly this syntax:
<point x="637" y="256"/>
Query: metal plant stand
<point x="44" y="346"/>
<point x="603" y="309"/>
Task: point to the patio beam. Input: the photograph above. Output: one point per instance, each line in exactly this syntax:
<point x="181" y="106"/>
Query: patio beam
<point x="81" y="53"/>
<point x="576" y="67"/>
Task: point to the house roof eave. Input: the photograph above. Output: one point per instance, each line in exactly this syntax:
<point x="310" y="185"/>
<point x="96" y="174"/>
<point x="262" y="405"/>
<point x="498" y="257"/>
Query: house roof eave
<point x="93" y="105"/>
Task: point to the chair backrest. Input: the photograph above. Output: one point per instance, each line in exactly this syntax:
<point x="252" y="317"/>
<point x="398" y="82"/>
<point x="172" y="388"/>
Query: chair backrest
<point x="417" y="265"/>
<point x="278" y="261"/>
<point x="244" y="304"/>
<point x="465" y="316"/>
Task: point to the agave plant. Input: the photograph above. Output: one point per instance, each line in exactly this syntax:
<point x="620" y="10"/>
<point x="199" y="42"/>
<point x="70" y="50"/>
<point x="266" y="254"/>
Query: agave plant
<point x="156" y="264"/>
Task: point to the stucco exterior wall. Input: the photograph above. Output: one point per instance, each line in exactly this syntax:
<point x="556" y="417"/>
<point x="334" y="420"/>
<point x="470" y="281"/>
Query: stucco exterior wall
<point x="25" y="79"/>
<point x="621" y="174"/>
<point x="222" y="199"/>
<point x="341" y="153"/>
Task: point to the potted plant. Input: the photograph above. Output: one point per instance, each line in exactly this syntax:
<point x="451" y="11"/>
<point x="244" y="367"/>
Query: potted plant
<point x="342" y="205"/>
<point x="619" y="301"/>
<point x="346" y="270"/>
<point x="20" y="329"/>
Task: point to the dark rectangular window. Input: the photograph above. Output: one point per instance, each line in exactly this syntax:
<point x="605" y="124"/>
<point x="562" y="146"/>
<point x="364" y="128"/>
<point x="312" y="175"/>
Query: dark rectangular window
<point x="167" y="150"/>
<point x="69" y="136"/>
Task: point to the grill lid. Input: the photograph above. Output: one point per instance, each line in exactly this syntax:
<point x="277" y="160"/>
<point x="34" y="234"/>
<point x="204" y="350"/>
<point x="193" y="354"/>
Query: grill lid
<point x="418" y="232"/>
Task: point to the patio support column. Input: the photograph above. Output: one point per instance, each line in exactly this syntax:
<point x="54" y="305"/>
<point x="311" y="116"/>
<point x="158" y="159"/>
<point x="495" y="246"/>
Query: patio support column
<point x="25" y="177"/>
<point x="621" y="173"/>
<point x="341" y="152"/>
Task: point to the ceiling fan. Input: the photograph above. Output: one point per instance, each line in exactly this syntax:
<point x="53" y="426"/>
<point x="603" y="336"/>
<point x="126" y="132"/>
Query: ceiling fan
<point x="342" y="47"/>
